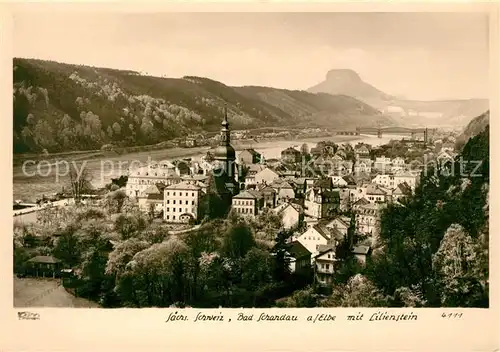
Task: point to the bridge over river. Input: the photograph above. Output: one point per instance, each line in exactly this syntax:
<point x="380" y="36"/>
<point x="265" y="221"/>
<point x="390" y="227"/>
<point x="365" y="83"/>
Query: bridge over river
<point x="379" y="131"/>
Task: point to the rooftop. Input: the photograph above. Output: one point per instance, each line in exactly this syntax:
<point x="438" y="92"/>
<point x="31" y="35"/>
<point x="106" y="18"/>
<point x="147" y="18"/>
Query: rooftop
<point x="290" y="150"/>
<point x="297" y="250"/>
<point x="44" y="259"/>
<point x="375" y="190"/>
<point x="184" y="185"/>
<point x="251" y="151"/>
<point x="324" y="248"/>
<point x="361" y="250"/>
<point x="322" y="231"/>
<point x="246" y="195"/>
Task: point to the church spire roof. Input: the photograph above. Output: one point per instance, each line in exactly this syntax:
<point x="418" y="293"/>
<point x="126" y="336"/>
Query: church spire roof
<point x="225" y="123"/>
<point x="225" y="134"/>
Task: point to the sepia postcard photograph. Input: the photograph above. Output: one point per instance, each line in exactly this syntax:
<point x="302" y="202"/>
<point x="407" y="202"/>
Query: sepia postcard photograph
<point x="195" y="161"/>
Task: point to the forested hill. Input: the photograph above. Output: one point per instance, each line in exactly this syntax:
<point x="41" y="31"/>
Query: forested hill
<point x="435" y="247"/>
<point x="61" y="107"/>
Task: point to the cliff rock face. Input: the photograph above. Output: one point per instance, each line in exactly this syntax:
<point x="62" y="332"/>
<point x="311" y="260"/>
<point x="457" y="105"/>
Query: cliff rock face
<point x="404" y="112"/>
<point x="475" y="127"/>
<point x="348" y="82"/>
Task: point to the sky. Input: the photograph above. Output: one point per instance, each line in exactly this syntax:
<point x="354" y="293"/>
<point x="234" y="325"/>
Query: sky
<point x="422" y="56"/>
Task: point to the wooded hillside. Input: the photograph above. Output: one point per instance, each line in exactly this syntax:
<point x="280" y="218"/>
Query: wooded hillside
<point x="62" y="107"/>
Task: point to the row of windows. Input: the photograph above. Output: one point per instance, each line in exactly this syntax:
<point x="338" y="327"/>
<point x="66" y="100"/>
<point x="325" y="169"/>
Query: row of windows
<point x="180" y="202"/>
<point x="244" y="210"/>
<point x="180" y="194"/>
<point x="182" y="217"/>
<point x="243" y="202"/>
<point x="152" y="182"/>
<point x="326" y="266"/>
<point x="180" y="210"/>
<point x="314" y="238"/>
<point x="366" y="220"/>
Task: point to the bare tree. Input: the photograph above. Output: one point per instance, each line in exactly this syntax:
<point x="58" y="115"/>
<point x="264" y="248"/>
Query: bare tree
<point x="80" y="182"/>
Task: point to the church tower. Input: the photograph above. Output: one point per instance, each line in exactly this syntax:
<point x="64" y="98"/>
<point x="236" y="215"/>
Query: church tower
<point x="225" y="154"/>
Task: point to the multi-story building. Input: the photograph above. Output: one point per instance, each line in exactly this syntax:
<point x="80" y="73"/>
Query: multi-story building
<point x="299" y="185"/>
<point x="291" y="155"/>
<point x="139" y="179"/>
<point x="385" y="180"/>
<point x="269" y="195"/>
<point x="324" y="261"/>
<point x="248" y="203"/>
<point x="292" y="215"/>
<point x="251" y="171"/>
<point x="319" y="203"/>
<point x="152" y="198"/>
<point x="182" y="202"/>
<point x="285" y="192"/>
<point x="266" y="176"/>
<point x="341" y="224"/>
<point x="313" y="237"/>
<point x="368" y="221"/>
<point x="382" y="164"/>
<point x="398" y="164"/>
<point x="362" y="151"/>
<point x="376" y="194"/>
<point x="249" y="156"/>
<point x="363" y="167"/>
<point x="410" y="178"/>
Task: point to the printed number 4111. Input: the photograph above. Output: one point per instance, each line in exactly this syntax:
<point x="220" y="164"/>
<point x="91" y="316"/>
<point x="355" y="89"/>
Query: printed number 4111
<point x="451" y="315"/>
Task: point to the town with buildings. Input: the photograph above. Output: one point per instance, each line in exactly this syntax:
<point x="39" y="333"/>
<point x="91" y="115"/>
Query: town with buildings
<point x="289" y="165"/>
<point x="319" y="194"/>
<point x="321" y="205"/>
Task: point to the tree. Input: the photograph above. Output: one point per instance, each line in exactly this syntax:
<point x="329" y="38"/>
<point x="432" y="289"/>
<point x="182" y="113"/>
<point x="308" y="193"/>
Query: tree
<point x="122" y="254"/>
<point x="358" y="292"/>
<point x="67" y="247"/>
<point x="300" y="299"/>
<point x="238" y="240"/>
<point x="457" y="266"/>
<point x="80" y="182"/>
<point x="281" y="267"/>
<point x="94" y="242"/>
<point x="115" y="200"/>
<point x="130" y="225"/>
<point x="151" y="210"/>
<point x="159" y="273"/>
<point x="268" y="223"/>
<point x="256" y="269"/>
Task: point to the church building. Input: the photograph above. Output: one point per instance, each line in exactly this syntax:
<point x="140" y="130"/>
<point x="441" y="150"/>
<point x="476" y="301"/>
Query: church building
<point x="222" y="182"/>
<point x="225" y="158"/>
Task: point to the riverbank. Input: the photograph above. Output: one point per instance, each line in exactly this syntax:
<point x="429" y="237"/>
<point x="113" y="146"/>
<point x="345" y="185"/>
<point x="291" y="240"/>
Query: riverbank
<point x="31" y="181"/>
